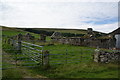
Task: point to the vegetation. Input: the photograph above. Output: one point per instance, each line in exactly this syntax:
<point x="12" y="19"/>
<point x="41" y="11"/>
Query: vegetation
<point x="84" y="68"/>
<point x="81" y="64"/>
<point x="13" y="32"/>
<point x="65" y="32"/>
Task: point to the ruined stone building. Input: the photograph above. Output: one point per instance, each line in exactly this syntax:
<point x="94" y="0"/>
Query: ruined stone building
<point x="27" y="36"/>
<point x="116" y="34"/>
<point x="42" y="37"/>
<point x="107" y="41"/>
<point x="56" y="35"/>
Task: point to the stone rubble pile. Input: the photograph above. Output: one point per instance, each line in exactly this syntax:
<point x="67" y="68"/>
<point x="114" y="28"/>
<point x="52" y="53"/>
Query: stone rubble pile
<point x="106" y="57"/>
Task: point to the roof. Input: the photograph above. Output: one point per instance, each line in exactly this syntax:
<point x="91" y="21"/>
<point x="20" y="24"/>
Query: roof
<point x="117" y="31"/>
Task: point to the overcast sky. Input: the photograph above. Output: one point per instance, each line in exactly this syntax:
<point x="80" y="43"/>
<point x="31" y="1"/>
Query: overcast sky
<point x="101" y="16"/>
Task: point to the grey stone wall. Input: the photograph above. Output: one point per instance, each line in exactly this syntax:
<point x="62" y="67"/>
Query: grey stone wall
<point x="102" y="43"/>
<point x="42" y="37"/>
<point x="106" y="57"/>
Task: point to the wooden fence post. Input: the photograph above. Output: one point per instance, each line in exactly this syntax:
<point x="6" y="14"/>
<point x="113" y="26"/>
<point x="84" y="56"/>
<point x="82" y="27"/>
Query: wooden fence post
<point x="19" y="43"/>
<point x="46" y="59"/>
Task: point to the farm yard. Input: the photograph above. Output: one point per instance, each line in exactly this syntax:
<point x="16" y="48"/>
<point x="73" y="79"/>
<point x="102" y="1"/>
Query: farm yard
<point x="49" y="59"/>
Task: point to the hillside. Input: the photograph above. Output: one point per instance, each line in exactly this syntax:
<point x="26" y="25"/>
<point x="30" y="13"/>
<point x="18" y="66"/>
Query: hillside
<point x="65" y="32"/>
<point x="77" y="31"/>
<point x="14" y="31"/>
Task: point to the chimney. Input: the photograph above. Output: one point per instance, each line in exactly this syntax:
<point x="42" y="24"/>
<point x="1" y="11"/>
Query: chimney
<point x="90" y="30"/>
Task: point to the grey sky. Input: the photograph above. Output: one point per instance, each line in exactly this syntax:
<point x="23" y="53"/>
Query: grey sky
<point x="101" y="16"/>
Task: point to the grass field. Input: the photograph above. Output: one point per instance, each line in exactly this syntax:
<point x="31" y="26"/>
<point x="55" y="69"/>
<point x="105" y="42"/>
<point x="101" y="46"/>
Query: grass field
<point x="13" y="32"/>
<point x="77" y="31"/>
<point x="83" y="68"/>
<point x="86" y="68"/>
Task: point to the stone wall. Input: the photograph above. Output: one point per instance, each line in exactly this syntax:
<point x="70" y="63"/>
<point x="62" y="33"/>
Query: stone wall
<point x="91" y="42"/>
<point x="70" y="40"/>
<point x="42" y="38"/>
<point x="28" y="37"/>
<point x="88" y="39"/>
<point x="106" y="57"/>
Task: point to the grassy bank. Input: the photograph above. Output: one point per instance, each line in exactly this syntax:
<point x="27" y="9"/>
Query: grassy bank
<point x="84" y="68"/>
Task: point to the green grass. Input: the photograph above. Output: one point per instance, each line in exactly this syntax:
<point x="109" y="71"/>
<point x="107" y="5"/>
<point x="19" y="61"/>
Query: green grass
<point x="7" y="72"/>
<point x="13" y="32"/>
<point x="16" y="32"/>
<point x="77" y="31"/>
<point x="84" y="68"/>
<point x="16" y="73"/>
<point x="12" y="73"/>
<point x="71" y="53"/>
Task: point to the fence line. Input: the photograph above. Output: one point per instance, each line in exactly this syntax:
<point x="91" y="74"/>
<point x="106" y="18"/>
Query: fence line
<point x="31" y="48"/>
<point x="45" y="58"/>
<point x="31" y="44"/>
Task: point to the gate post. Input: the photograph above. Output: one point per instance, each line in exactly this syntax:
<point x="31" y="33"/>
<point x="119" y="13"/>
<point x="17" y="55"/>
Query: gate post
<point x="46" y="59"/>
<point x="19" y="42"/>
<point x="96" y="55"/>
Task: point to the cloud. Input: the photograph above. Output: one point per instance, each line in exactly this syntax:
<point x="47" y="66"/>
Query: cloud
<point x="60" y="14"/>
<point x="106" y="28"/>
<point x="60" y="0"/>
<point x="102" y="21"/>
